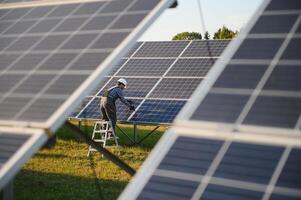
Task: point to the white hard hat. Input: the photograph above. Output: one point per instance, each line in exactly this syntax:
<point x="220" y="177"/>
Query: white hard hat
<point x="123" y="81"/>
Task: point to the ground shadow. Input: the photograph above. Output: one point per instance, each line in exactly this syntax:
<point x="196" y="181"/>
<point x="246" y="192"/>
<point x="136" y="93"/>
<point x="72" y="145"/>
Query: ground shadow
<point x="36" y="185"/>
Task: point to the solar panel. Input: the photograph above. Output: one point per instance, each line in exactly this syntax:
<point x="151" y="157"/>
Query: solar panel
<point x="239" y="136"/>
<point x="54" y="48"/>
<point x="259" y="84"/>
<point x="52" y="55"/>
<point x="209" y="166"/>
<point x="16" y="146"/>
<point x="158" y="80"/>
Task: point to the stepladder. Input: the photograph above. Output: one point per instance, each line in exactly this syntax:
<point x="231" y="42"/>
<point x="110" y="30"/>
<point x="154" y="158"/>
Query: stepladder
<point x="102" y="134"/>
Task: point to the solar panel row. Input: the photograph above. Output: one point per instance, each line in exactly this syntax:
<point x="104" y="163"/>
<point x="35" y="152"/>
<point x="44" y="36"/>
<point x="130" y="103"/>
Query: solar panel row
<point x="239" y="136"/>
<point x="160" y="76"/>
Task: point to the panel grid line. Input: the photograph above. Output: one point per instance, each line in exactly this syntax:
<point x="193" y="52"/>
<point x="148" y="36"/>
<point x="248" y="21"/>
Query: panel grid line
<point x="266" y="75"/>
<point x="277" y="173"/>
<point x="149" y="93"/>
<point x="209" y="174"/>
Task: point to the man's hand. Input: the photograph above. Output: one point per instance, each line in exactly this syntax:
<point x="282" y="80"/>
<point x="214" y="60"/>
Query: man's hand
<point x="132" y="108"/>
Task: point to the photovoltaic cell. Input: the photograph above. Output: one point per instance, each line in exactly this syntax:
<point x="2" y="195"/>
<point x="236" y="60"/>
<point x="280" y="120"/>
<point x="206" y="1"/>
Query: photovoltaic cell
<point x="160" y="187"/>
<point x="190" y="156"/>
<point x="220" y="107"/>
<point x="249" y="162"/>
<point x="288" y="5"/>
<point x="285" y="77"/>
<point x="216" y="192"/>
<point x="292" y="50"/>
<point x="274" y="23"/>
<point x="179" y="88"/>
<point x="240" y="76"/>
<point x="270" y="111"/>
<point x="258" y="48"/>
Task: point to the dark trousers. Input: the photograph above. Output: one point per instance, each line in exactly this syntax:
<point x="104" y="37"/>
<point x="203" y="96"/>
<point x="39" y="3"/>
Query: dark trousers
<point x="108" y="111"/>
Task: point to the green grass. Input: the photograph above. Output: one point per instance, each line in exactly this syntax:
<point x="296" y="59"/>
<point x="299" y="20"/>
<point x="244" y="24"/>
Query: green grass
<point x="65" y="172"/>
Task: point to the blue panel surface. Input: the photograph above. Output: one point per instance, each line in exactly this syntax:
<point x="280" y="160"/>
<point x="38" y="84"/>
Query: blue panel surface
<point x="158" y="111"/>
<point x="168" y="188"/>
<point x="191" y="155"/>
<point x="290" y="176"/>
<point x="249" y="162"/>
<point x="215" y="192"/>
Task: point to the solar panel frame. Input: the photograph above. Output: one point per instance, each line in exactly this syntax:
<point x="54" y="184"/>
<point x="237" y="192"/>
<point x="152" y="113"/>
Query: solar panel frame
<point x="55" y="120"/>
<point x="37" y="138"/>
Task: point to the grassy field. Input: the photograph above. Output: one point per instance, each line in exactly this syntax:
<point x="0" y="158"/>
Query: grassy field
<point x="65" y="172"/>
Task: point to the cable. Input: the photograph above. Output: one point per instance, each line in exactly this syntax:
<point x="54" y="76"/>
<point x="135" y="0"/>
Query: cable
<point x="204" y="30"/>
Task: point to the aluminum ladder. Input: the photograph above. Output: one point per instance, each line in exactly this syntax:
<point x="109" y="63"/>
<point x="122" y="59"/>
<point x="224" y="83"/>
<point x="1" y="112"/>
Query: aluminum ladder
<point x="102" y="132"/>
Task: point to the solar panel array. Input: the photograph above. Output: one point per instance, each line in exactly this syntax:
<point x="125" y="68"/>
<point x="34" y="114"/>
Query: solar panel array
<point x="239" y="136"/>
<point x="52" y="53"/>
<point x="161" y="78"/>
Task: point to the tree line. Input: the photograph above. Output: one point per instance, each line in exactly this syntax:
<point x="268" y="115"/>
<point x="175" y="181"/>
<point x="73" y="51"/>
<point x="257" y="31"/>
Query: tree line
<point x="221" y="33"/>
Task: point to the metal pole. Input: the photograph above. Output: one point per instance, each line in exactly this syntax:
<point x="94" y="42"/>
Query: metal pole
<point x="148" y="135"/>
<point x="99" y="148"/>
<point x="125" y="134"/>
<point x="135" y="134"/>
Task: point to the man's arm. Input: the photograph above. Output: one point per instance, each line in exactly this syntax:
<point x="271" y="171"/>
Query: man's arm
<point x="122" y="99"/>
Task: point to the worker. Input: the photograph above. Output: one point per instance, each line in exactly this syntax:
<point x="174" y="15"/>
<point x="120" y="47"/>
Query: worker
<point x="107" y="103"/>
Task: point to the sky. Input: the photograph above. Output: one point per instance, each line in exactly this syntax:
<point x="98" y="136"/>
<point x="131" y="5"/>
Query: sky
<point x="186" y="17"/>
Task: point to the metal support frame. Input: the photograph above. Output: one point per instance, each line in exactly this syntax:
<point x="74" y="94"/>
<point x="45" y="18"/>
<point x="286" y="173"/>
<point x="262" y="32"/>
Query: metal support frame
<point x="8" y="191"/>
<point x="135" y="140"/>
<point x="99" y="148"/>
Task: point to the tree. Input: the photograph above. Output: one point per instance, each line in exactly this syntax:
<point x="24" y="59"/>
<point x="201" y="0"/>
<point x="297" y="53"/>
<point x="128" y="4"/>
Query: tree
<point x="224" y="33"/>
<point x="187" y="36"/>
<point x="206" y="36"/>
